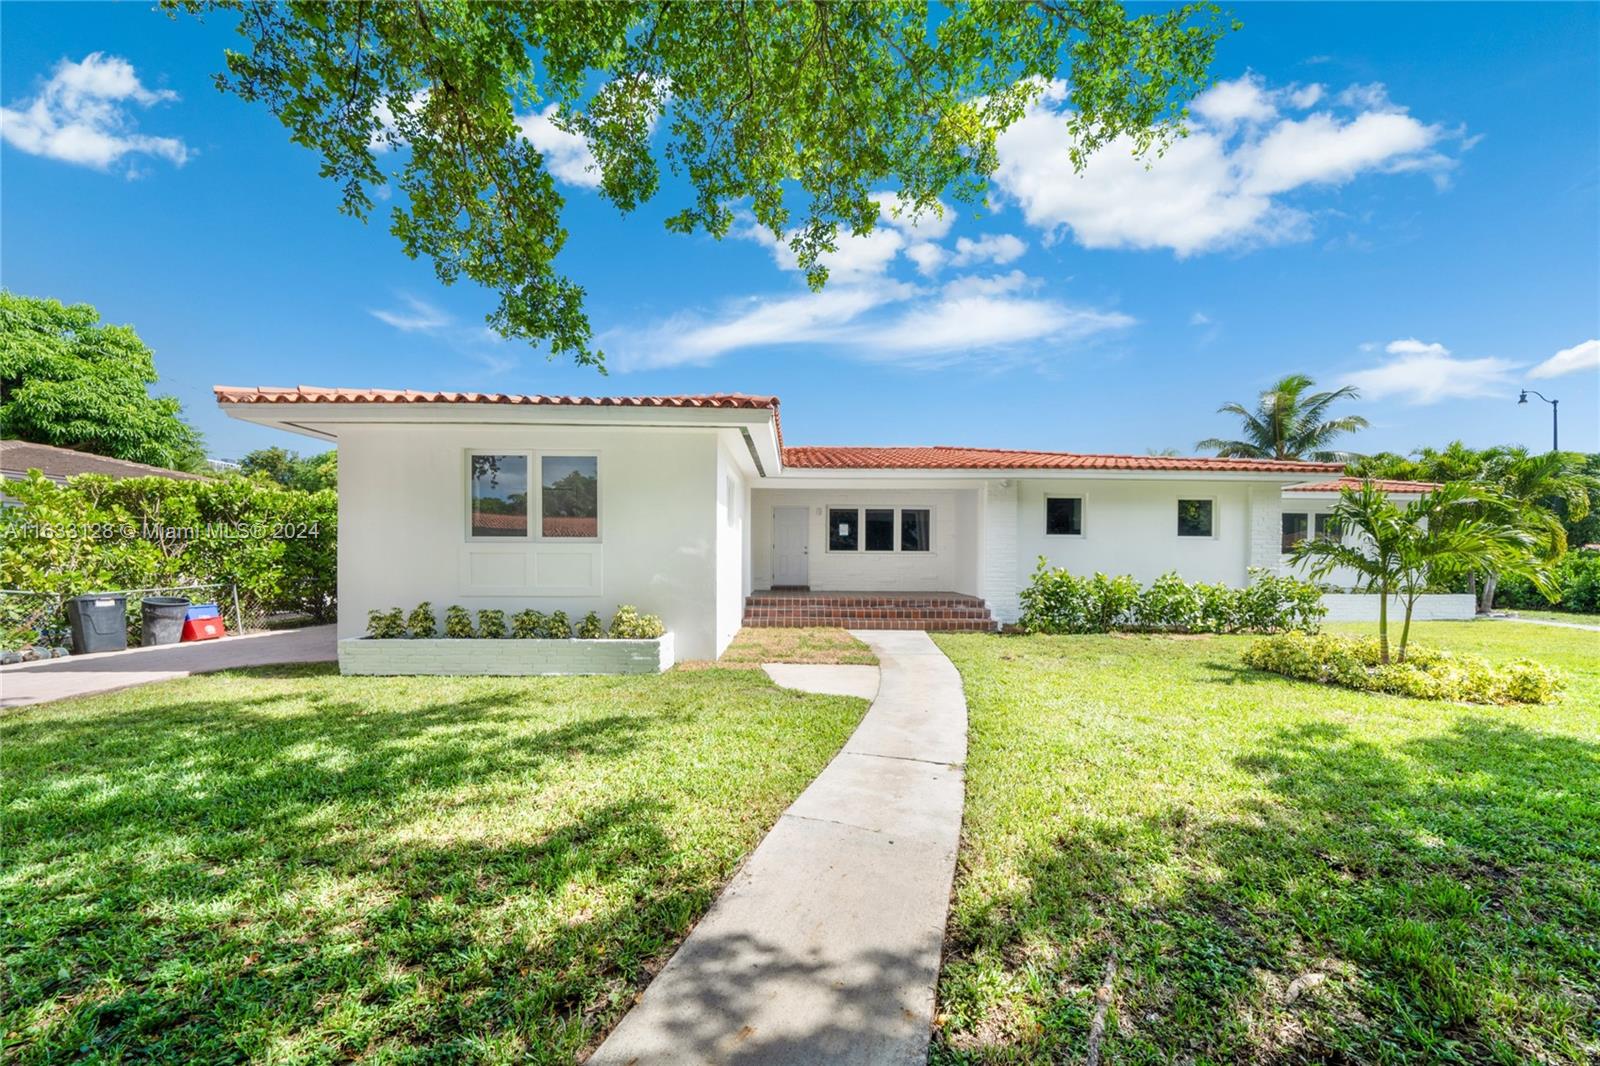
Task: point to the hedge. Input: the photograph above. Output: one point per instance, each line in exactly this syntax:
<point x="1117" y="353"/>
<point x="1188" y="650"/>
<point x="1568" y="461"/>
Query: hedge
<point x="277" y="545"/>
<point x="1577" y="577"/>
<point x="1057" y="601"/>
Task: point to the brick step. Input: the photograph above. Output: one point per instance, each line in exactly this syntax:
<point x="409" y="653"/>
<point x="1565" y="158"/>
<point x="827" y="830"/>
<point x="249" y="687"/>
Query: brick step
<point x="962" y="625"/>
<point x="952" y="615"/>
<point x="932" y="600"/>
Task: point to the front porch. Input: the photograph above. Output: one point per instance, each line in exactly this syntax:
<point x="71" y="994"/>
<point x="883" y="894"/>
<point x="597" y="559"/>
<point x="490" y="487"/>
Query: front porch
<point x="868" y="610"/>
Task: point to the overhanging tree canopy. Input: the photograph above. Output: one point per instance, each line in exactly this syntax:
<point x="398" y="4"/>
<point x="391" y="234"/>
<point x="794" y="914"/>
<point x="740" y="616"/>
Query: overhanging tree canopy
<point x="800" y="109"/>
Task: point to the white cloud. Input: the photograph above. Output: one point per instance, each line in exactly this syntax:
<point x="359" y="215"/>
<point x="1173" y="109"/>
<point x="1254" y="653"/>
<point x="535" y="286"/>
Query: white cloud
<point x="929" y="225"/>
<point x="1426" y="372"/>
<point x="1000" y="248"/>
<point x="417" y="316"/>
<point x="82" y="115"/>
<point x="388" y="132"/>
<point x="478" y="343"/>
<point x="1199" y="318"/>
<point x="566" y="155"/>
<point x="928" y="257"/>
<point x="1585" y="356"/>
<point x="1222" y="186"/>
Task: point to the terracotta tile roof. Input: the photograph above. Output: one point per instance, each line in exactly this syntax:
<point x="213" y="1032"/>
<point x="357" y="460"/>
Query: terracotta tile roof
<point x="1418" y="487"/>
<point x="17" y="457"/>
<point x="948" y="458"/>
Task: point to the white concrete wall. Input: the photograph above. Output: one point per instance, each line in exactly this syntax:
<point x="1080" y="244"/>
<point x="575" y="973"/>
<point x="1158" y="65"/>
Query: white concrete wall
<point x="504" y="658"/>
<point x="1002" y="570"/>
<point x="1358" y="607"/>
<point x="403" y="527"/>
<point x="1131" y="527"/>
<point x="733" y="546"/>
<point x="949" y="567"/>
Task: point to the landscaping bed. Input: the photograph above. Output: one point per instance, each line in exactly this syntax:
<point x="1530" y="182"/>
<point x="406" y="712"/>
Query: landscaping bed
<point x="755" y="645"/>
<point x="1281" y="871"/>
<point x="286" y="864"/>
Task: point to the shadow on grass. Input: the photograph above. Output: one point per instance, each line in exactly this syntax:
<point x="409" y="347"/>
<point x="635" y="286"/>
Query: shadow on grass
<point x="1438" y="898"/>
<point x="306" y="874"/>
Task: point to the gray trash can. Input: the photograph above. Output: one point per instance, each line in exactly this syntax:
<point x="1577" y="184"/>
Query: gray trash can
<point x="99" y="622"/>
<point x="162" y="619"/>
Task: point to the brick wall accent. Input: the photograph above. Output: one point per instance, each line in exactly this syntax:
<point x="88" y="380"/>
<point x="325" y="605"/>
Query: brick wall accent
<point x="511" y="657"/>
<point x="1363" y="607"/>
<point x="1000" y="576"/>
<point x="1266" y="528"/>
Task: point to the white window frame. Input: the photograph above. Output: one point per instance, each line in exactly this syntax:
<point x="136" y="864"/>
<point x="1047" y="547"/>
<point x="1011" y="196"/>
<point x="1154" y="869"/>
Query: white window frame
<point x="1216" y="519"/>
<point x="535" y="458"/>
<point x="861" y="528"/>
<point x="1311" y="527"/>
<point x="1083" y="517"/>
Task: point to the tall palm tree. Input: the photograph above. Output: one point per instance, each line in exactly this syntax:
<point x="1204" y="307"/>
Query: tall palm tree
<point x="1530" y="487"/>
<point x="1289" y="423"/>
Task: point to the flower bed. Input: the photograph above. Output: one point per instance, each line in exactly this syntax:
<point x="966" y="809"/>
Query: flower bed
<point x="535" y="643"/>
<point x="1426" y="674"/>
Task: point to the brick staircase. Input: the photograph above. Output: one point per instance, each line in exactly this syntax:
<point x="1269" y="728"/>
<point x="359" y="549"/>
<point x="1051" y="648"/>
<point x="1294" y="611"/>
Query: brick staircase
<point x="869" y="610"/>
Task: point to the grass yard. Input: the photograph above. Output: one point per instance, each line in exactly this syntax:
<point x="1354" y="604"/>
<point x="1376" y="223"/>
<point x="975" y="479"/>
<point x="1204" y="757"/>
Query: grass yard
<point x="1284" y="872"/>
<point x="287" y="865"/>
<point x="1561" y="616"/>
<point x="756" y="645"/>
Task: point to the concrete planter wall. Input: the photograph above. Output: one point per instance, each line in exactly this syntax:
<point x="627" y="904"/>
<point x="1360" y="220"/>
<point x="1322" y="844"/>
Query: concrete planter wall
<point x="1363" y="607"/>
<point x="363" y="655"/>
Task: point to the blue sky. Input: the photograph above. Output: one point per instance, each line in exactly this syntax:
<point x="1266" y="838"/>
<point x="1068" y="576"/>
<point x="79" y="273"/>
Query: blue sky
<point x="1402" y="197"/>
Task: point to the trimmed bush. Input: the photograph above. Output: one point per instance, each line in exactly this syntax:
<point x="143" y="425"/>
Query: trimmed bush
<point x="629" y="624"/>
<point x="1426" y="674"/>
<point x="492" y="624"/>
<point x="422" y="624"/>
<point x="1057" y="601"/>
<point x="458" y="623"/>
<point x="590" y="628"/>
<point x="528" y="625"/>
<point x="386" y="625"/>
<point x="557" y="627"/>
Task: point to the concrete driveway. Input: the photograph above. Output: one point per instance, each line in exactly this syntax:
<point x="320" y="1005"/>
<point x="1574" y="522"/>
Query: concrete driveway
<point x="82" y="675"/>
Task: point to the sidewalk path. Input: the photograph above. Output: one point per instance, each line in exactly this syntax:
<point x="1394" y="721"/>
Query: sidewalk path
<point x="83" y="675"/>
<point x="825" y="946"/>
<point x="1548" y="622"/>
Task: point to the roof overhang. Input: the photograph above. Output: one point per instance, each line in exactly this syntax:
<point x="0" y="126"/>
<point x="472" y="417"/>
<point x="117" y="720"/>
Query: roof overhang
<point x="834" y="477"/>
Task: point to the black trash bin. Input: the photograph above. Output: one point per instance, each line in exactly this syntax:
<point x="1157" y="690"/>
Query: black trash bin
<point x="162" y="618"/>
<point x="99" y="622"/>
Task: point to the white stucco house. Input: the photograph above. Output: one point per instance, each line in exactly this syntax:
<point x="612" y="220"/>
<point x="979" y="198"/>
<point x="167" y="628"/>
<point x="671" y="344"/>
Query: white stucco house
<point x="695" y="509"/>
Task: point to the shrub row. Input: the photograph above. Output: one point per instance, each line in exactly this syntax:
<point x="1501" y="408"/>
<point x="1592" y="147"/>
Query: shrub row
<point x="1426" y="674"/>
<point x="395" y="624"/>
<point x="1577" y="578"/>
<point x="1056" y="601"/>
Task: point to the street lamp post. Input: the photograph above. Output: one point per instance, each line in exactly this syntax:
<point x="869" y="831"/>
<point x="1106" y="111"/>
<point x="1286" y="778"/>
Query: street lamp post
<point x="1555" y="410"/>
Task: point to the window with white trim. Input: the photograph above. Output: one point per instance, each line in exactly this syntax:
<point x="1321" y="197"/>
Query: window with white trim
<point x="1196" y="518"/>
<point x="569" y="497"/>
<point x="1296" y="525"/>
<point x="880" y="530"/>
<point x="1063" y="516"/>
<point x="499" y="494"/>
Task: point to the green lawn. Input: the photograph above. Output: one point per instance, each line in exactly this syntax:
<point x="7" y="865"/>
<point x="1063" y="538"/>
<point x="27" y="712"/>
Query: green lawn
<point x="1560" y="616"/>
<point x="1284" y="872"/>
<point x="755" y="645"/>
<point x="286" y="865"/>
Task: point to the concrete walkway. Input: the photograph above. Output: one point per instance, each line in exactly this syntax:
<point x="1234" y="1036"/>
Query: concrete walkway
<point x="825" y="946"/>
<point x="826" y="679"/>
<point x="83" y="675"/>
<point x="1547" y="622"/>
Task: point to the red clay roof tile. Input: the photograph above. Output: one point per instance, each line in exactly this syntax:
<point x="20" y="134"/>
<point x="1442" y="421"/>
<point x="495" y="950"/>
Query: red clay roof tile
<point x="948" y="458"/>
<point x="1356" y="482"/>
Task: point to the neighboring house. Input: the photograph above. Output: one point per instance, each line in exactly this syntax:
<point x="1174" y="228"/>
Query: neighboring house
<point x="17" y="457"/>
<point x="685" y="506"/>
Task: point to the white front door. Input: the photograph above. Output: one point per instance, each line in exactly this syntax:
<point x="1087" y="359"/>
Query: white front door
<point x="790" y="545"/>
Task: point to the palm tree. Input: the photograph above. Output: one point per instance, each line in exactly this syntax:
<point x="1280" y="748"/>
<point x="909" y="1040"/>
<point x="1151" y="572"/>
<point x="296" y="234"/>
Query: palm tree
<point x="1289" y="424"/>
<point x="1530" y="487"/>
<point x="1404" y="552"/>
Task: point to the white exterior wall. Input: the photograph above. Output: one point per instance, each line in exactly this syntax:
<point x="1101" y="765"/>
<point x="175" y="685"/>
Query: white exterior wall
<point x="1001" y="570"/>
<point x="403" y="527"/>
<point x="1131" y="527"/>
<point x="733" y="546"/>
<point x="949" y="567"/>
<point x="1359" y="607"/>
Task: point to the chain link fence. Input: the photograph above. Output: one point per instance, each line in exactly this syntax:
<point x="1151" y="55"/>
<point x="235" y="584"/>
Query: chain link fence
<point x="41" y="617"/>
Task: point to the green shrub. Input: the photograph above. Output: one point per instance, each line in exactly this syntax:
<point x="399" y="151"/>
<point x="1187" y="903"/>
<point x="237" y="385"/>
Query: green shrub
<point x="422" y="623"/>
<point x="491" y="624"/>
<point x="1057" y="601"/>
<point x="1577" y="576"/>
<point x="1426" y="674"/>
<point x="386" y="625"/>
<point x="458" y="623"/>
<point x="629" y="624"/>
<point x="527" y="625"/>
<point x="590" y="628"/>
<point x="557" y="627"/>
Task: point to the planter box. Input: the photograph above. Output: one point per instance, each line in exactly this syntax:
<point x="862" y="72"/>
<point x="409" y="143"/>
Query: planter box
<point x="509" y="657"/>
<point x="1433" y="607"/>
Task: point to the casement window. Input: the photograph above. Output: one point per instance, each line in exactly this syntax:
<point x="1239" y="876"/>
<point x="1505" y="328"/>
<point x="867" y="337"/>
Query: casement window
<point x="499" y="495"/>
<point x="880" y="529"/>
<point x="503" y="496"/>
<point x="1063" y="516"/>
<point x="1326" y="528"/>
<point x="1295" y="527"/>
<point x="1196" y="518"/>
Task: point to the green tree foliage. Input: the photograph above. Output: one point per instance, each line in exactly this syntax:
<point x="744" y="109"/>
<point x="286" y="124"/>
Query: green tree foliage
<point x="1288" y="422"/>
<point x="308" y="473"/>
<point x="68" y="379"/>
<point x="574" y="496"/>
<point x="799" y="110"/>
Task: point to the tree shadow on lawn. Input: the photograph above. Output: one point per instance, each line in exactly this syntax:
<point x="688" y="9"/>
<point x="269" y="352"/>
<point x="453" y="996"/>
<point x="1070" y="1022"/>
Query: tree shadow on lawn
<point x="1439" y="900"/>
<point x="299" y="874"/>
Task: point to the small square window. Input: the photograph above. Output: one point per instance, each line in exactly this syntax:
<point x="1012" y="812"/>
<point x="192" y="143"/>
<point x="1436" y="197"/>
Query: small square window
<point x="916" y="530"/>
<point x="499" y="495"/>
<point x="1294" y="530"/>
<point x="1326" y="527"/>
<point x="844" y="529"/>
<point x="1063" y="516"/>
<point x="570" y="500"/>
<point x="1194" y="518"/>
<point x="880" y="530"/>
